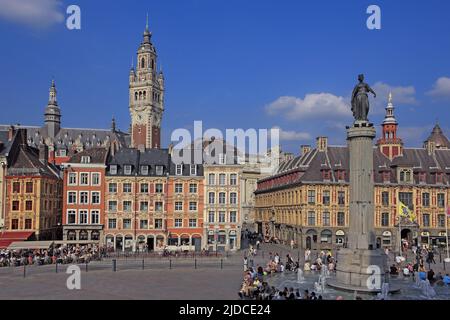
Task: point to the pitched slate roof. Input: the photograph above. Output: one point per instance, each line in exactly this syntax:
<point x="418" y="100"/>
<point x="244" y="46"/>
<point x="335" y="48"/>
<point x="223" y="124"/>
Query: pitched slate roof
<point x="135" y="158"/>
<point x="26" y="163"/>
<point x="70" y="139"/>
<point x="97" y="155"/>
<point x="336" y="158"/>
<point x="438" y="137"/>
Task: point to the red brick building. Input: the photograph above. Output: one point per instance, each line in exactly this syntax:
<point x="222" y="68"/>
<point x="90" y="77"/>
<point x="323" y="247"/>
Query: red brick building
<point x="84" y="196"/>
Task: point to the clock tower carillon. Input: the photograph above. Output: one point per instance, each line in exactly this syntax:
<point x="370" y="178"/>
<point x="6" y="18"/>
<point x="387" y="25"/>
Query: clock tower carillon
<point x="146" y="97"/>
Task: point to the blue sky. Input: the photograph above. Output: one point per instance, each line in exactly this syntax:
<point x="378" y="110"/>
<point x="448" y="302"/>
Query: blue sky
<point x="231" y="64"/>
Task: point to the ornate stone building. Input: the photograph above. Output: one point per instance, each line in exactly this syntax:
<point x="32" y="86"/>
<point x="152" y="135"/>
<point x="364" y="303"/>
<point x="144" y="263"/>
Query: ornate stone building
<point x="308" y="199"/>
<point x="185" y="206"/>
<point x="33" y="193"/>
<point x="136" y="199"/>
<point x="222" y="214"/>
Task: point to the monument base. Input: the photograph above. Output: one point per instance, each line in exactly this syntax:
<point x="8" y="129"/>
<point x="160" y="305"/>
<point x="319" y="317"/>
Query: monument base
<point x="357" y="270"/>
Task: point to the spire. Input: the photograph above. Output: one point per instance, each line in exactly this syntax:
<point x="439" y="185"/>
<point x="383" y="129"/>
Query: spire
<point x="52" y="113"/>
<point x="437" y="128"/>
<point x="113" y="124"/>
<point x="390" y="117"/>
<point x="147" y="33"/>
<point x="52" y="94"/>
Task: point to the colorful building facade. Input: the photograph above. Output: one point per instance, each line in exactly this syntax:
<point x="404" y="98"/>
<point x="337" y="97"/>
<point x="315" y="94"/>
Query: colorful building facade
<point x="83" y="200"/>
<point x="307" y="201"/>
<point x="33" y="192"/>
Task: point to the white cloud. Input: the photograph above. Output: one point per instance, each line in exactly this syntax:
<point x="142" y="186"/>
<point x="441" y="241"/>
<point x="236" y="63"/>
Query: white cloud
<point x="312" y="106"/>
<point x="34" y="13"/>
<point x="441" y="88"/>
<point x="293" y="135"/>
<point x="402" y="95"/>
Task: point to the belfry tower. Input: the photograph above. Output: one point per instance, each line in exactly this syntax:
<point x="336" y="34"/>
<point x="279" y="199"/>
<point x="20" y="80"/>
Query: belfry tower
<point x="389" y="143"/>
<point x="146" y="97"/>
<point x="52" y="113"/>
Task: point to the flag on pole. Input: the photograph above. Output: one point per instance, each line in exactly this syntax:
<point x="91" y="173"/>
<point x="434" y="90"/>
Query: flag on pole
<point x="404" y="211"/>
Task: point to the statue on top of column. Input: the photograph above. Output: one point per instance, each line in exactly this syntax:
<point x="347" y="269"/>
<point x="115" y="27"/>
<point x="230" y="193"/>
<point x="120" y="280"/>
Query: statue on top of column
<point x="360" y="100"/>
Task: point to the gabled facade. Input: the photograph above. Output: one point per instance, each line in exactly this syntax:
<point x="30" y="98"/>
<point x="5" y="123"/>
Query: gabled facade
<point x="34" y="187"/>
<point x="83" y="211"/>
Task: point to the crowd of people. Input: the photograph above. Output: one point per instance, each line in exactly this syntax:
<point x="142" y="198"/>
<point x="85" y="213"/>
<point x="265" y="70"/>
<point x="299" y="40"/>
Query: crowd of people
<point x="418" y="268"/>
<point x="63" y="254"/>
<point x="254" y="285"/>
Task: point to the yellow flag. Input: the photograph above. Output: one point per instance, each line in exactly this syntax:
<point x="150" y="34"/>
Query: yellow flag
<point x="404" y="211"/>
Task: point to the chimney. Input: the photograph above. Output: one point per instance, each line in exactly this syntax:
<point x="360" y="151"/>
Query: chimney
<point x="43" y="153"/>
<point x="11" y="132"/>
<point x="322" y="144"/>
<point x="304" y="149"/>
<point x="22" y="135"/>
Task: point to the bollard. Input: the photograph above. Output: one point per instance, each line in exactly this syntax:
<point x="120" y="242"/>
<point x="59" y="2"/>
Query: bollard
<point x="143" y="266"/>
<point x="221" y="263"/>
<point x="24" y="271"/>
<point x="195" y="263"/>
<point x="170" y="263"/>
<point x="56" y="267"/>
<point x="86" y="265"/>
<point x="444" y="266"/>
<point x="440" y="257"/>
<point x="114" y="264"/>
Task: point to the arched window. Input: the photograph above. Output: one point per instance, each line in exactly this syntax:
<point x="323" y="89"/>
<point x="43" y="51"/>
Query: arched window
<point x="153" y="64"/>
<point x="135" y="96"/>
<point x="140" y="95"/>
<point x="143" y="63"/>
<point x="145" y="95"/>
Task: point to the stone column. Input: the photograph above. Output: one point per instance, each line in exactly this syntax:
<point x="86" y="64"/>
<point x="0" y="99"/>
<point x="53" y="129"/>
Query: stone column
<point x="360" y="262"/>
<point x="361" y="231"/>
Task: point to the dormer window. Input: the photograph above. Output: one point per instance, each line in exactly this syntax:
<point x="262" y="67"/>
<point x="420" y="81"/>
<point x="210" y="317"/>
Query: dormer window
<point x="422" y="177"/>
<point x="159" y="170"/>
<point x="193" y="170"/>
<point x="405" y="176"/>
<point x="127" y="169"/>
<point x="179" y="169"/>
<point x="85" y="159"/>
<point x="341" y="175"/>
<point x="113" y="169"/>
<point x="386" y="176"/>
<point x="326" y="174"/>
<point x="144" y="170"/>
<point x="439" y="178"/>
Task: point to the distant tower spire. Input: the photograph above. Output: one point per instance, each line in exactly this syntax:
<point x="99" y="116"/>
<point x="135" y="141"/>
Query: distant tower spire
<point x="146" y="24"/>
<point x="113" y="124"/>
<point x="52" y="113"/>
<point x="390" y="118"/>
<point x="390" y="144"/>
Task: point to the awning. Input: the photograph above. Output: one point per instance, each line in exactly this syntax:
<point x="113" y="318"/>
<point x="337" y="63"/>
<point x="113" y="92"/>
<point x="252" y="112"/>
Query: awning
<point x="33" y="245"/>
<point x="8" y="237"/>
